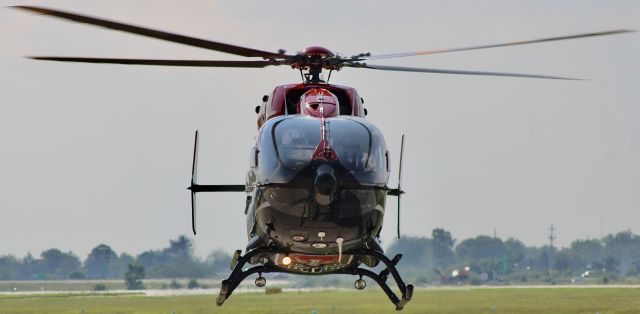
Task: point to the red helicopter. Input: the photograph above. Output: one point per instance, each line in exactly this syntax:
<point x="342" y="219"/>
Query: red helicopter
<point x="318" y="172"/>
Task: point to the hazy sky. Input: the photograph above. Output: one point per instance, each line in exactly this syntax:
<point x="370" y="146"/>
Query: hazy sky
<point x="94" y="154"/>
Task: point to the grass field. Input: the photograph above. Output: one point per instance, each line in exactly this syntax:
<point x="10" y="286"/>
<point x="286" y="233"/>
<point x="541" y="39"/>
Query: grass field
<point x="500" y="300"/>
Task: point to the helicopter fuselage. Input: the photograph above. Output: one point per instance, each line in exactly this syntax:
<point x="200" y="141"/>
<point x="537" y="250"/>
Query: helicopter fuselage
<point x="316" y="186"/>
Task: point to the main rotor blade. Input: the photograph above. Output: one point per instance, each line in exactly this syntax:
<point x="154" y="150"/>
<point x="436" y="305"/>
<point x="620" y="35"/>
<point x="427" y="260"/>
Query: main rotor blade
<point x="444" y="71"/>
<point x="196" y="42"/>
<point x="184" y="63"/>
<point x="515" y="43"/>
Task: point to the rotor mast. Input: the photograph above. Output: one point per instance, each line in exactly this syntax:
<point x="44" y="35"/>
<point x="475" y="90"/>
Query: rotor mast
<point x="313" y="76"/>
<point x="314" y="59"/>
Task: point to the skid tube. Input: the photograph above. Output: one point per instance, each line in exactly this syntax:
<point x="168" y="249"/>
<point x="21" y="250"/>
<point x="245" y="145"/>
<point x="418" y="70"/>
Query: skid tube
<point x="238" y="275"/>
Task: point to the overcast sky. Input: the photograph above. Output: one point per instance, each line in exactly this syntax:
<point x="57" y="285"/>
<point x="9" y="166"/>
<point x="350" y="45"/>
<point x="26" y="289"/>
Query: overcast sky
<point x="94" y="154"/>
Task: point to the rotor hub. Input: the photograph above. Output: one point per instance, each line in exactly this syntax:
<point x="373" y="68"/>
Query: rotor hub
<point x="317" y="51"/>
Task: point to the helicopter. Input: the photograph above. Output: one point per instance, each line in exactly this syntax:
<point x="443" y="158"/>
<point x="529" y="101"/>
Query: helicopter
<point x="318" y="174"/>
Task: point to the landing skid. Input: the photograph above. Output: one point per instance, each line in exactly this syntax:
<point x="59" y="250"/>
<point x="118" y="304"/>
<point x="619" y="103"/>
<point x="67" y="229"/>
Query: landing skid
<point x="238" y="275"/>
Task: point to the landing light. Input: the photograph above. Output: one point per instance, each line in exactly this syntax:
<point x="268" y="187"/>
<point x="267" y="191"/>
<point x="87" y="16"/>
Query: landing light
<point x="286" y="260"/>
<point x="298" y="238"/>
<point x="319" y="245"/>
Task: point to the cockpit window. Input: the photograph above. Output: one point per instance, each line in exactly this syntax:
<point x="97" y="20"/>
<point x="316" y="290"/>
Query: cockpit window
<point x="360" y="148"/>
<point x="296" y="140"/>
<point x="358" y="144"/>
<point x="352" y="143"/>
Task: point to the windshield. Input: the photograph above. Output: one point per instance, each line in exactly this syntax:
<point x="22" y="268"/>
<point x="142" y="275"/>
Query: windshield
<point x="296" y="140"/>
<point x="287" y="145"/>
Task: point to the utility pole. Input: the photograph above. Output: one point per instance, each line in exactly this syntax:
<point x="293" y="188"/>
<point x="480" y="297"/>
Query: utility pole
<point x="551" y="238"/>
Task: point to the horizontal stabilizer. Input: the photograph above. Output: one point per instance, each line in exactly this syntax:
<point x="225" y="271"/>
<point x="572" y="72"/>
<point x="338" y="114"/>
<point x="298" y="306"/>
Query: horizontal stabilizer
<point x="217" y="188"/>
<point x="394" y="192"/>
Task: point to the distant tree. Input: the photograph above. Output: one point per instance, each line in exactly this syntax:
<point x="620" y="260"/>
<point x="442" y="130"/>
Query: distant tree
<point x="568" y="261"/>
<point x="515" y="249"/>
<point x="133" y="277"/>
<point x="544" y="260"/>
<point x="487" y="265"/>
<point x="31" y="268"/>
<point x="417" y="257"/>
<point x="59" y="265"/>
<point x="479" y="248"/>
<point x="624" y="247"/>
<point x="77" y="275"/>
<point x="118" y="267"/>
<point x="219" y="261"/>
<point x="180" y="249"/>
<point x="175" y="285"/>
<point x="531" y="258"/>
<point x="99" y="262"/>
<point x="150" y="258"/>
<point x="443" y="242"/>
<point x="126" y="258"/>
<point x="10" y="268"/>
<point x="175" y="261"/>
<point x="634" y="270"/>
<point x="591" y="250"/>
<point x="611" y="265"/>
<point x="416" y="252"/>
<point x="193" y="284"/>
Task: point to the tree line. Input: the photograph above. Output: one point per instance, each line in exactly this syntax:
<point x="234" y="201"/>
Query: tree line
<point x="442" y="258"/>
<point x="425" y="259"/>
<point x="175" y="261"/>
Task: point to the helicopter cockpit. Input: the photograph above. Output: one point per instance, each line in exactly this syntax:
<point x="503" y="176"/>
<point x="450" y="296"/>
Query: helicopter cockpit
<point x="287" y="144"/>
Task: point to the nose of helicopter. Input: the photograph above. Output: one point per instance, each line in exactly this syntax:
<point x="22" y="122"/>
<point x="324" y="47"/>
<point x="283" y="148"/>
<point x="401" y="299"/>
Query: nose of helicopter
<point x="325" y="184"/>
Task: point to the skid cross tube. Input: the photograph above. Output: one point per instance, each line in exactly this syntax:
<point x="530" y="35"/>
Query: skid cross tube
<point x="238" y="275"/>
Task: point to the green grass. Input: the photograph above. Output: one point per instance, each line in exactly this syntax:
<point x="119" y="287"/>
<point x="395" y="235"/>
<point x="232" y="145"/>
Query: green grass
<point x="502" y="300"/>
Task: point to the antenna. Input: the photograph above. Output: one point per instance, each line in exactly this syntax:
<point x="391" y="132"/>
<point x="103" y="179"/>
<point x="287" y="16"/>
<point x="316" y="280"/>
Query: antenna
<point x="400" y="192"/>
<point x="194" y="182"/>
